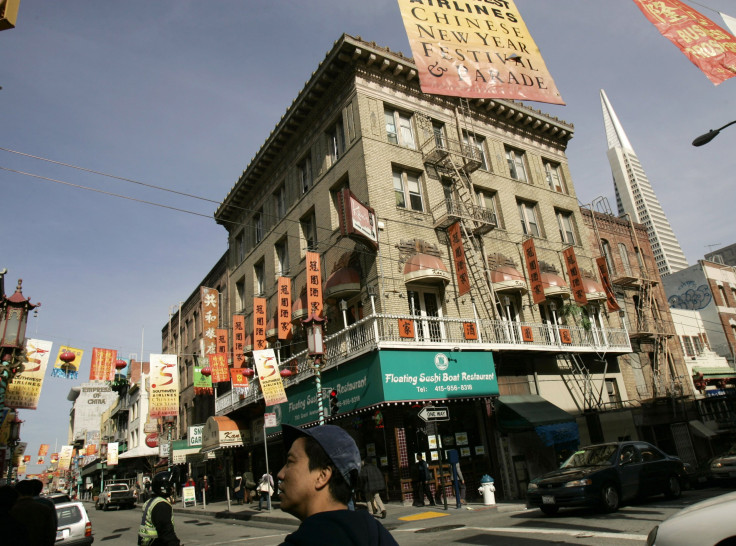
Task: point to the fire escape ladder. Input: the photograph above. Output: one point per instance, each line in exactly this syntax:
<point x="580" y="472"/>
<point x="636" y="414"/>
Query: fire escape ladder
<point x="578" y="381"/>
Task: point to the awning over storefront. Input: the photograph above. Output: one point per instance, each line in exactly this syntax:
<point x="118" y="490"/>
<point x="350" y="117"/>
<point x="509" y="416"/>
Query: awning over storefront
<point x="554" y="285"/>
<point x="223" y="432"/>
<point x="425" y="268"/>
<point x="701" y="429"/>
<point x="343" y="283"/>
<point x="593" y="290"/>
<point x="520" y="412"/>
<point x="508" y="279"/>
<point x="181" y="450"/>
<point x="139" y="451"/>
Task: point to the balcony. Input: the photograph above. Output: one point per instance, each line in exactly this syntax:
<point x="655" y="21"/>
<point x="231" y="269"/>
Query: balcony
<point x="447" y="154"/>
<point x="449" y="211"/>
<point x="442" y="334"/>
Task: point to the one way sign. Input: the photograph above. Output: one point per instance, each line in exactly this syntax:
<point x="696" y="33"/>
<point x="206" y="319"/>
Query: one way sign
<point x="429" y="413"/>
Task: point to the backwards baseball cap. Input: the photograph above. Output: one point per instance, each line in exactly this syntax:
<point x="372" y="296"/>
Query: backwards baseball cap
<point x="338" y="444"/>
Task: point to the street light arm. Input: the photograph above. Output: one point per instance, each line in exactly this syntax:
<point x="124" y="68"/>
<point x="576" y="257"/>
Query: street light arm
<point x="710" y="135"/>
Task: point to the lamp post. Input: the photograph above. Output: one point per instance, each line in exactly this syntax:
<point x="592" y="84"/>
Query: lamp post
<point x="169" y="421"/>
<point x="13" y="440"/>
<point x="710" y="135"/>
<point x="314" y="326"/>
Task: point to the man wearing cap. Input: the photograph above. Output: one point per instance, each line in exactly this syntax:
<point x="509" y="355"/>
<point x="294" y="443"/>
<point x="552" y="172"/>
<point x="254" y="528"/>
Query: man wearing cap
<point x="316" y="483"/>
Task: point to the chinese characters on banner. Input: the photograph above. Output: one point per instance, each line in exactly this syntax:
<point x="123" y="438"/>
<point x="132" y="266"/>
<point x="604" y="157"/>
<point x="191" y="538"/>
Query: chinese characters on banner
<point x="218" y="364"/>
<point x="164" y="390"/>
<point x="532" y="267"/>
<point x="706" y="44"/>
<point x="406" y="328"/>
<point x="238" y="341"/>
<point x="272" y="386"/>
<point x="476" y="50"/>
<point x="70" y="370"/>
<point x="458" y="253"/>
<point x="25" y="390"/>
<point x="210" y="318"/>
<point x="65" y="458"/>
<point x="103" y="364"/>
<point x="43" y="450"/>
<point x="202" y="383"/>
<point x="576" y="279"/>
<point x="283" y="316"/>
<point x="607" y="287"/>
<point x="314" y="284"/>
<point x="259" y="324"/>
<point x="239" y="381"/>
<point x="112" y="454"/>
<point x="221" y="341"/>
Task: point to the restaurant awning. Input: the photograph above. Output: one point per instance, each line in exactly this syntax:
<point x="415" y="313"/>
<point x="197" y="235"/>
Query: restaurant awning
<point x="425" y="268"/>
<point x="715" y="372"/>
<point x="508" y="279"/>
<point x="343" y="283"/>
<point x="520" y="412"/>
<point x="593" y="290"/>
<point x="554" y="285"/>
<point x="181" y="450"/>
<point x="139" y="451"/>
<point x="223" y="432"/>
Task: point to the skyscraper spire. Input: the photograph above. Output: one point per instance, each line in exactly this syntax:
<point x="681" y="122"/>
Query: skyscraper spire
<point x="635" y="196"/>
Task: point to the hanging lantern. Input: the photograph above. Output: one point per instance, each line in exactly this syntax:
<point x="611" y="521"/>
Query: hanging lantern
<point x="120" y="364"/>
<point x="67" y="356"/>
<point x="286" y="372"/>
<point x="249" y="372"/>
<point x="206" y="371"/>
<point x="67" y="368"/>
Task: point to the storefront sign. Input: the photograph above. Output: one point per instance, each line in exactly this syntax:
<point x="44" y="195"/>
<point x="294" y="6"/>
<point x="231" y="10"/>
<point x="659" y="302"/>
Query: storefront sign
<point x="194" y="437"/>
<point x="188" y="496"/>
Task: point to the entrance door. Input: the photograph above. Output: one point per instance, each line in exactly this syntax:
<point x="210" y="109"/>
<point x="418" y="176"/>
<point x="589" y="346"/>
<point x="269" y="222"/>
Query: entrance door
<point x="426" y="303"/>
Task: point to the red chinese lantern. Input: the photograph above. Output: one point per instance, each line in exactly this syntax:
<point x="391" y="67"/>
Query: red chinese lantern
<point x="67" y="356"/>
<point x="286" y="372"/>
<point x="120" y="364"/>
<point x="206" y="371"/>
<point x="249" y="372"/>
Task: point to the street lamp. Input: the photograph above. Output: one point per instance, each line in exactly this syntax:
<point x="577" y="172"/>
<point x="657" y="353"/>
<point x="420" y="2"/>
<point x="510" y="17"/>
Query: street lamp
<point x="314" y="325"/>
<point x="710" y="135"/>
<point x="13" y="440"/>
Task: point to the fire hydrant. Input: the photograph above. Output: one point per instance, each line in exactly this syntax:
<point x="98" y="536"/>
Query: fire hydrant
<point x="487" y="489"/>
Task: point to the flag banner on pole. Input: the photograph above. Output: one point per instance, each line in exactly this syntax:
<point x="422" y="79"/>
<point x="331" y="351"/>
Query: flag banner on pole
<point x="69" y="370"/>
<point x="458" y="253"/>
<point x="259" y="324"/>
<point x="202" y="383"/>
<point x="532" y="267"/>
<point x="221" y="341"/>
<point x="54" y="458"/>
<point x="708" y="46"/>
<point x="102" y="367"/>
<point x="210" y="318"/>
<point x="65" y="458"/>
<point x="272" y="386"/>
<point x="476" y="50"/>
<point x="283" y="316"/>
<point x="43" y="450"/>
<point x="164" y="390"/>
<point x="238" y="341"/>
<point x="239" y="381"/>
<point x="576" y="278"/>
<point x="218" y="365"/>
<point x="112" y="453"/>
<point x="25" y="390"/>
<point x="41" y="459"/>
<point x="314" y="284"/>
<point x="607" y="286"/>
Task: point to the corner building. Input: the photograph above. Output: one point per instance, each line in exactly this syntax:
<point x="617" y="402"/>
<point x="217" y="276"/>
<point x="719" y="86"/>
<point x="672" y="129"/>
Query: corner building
<point x="375" y="176"/>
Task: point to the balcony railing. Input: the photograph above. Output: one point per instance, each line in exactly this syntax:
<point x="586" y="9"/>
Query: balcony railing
<point x="438" y="333"/>
<point x="449" y="211"/>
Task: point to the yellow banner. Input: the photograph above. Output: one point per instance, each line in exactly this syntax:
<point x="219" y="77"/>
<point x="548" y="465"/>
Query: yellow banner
<point x="112" y="454"/>
<point x="65" y="458"/>
<point x="476" y="49"/>
<point x="25" y="390"/>
<point x="164" y="391"/>
<point x="268" y="373"/>
<point x="70" y="369"/>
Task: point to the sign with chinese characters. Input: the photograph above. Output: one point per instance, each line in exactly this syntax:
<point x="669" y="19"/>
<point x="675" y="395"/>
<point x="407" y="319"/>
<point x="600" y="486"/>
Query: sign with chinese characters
<point x="606" y="281"/>
<point x="25" y="390"/>
<point x="283" y="314"/>
<point x="470" y="330"/>
<point x="458" y="254"/>
<point x="221" y="342"/>
<point x="238" y="341"/>
<point x="268" y="374"/>
<point x="314" y="284"/>
<point x="259" y="324"/>
<point x="532" y="266"/>
<point x="102" y="367"/>
<point x="576" y="279"/>
<point x="565" y="336"/>
<point x="210" y="318"/>
<point x="164" y="390"/>
<point x="239" y="381"/>
<point x="357" y="220"/>
<point x="406" y="328"/>
<point x="218" y="364"/>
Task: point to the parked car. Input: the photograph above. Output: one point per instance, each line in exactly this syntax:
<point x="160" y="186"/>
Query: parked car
<point x="58" y="498"/>
<point x="605" y="475"/>
<point x="115" y="494"/>
<point x="723" y="467"/>
<point x="74" y="528"/>
<point x="705" y="523"/>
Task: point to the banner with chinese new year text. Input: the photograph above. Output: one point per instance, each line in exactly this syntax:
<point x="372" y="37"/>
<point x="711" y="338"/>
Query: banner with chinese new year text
<point x="707" y="45"/>
<point x="239" y="381"/>
<point x="476" y="50"/>
<point x="576" y="278"/>
<point x="272" y="386"/>
<point x="102" y="367"/>
<point x="218" y="365"/>
<point x="283" y="314"/>
<point x="164" y="390"/>
<point x="65" y="458"/>
<point x="25" y="390"/>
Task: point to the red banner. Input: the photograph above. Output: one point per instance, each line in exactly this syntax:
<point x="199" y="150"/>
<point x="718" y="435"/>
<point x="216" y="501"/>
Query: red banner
<point x="221" y="341"/>
<point x="707" y="45"/>
<point x="314" y="284"/>
<point x="43" y="450"/>
<point x="532" y="267"/>
<point x="458" y="253"/>
<point x="103" y="364"/>
<point x="576" y="279"/>
<point x="283" y="316"/>
<point x="238" y="379"/>
<point x="259" y="324"/>
<point x="606" y="281"/>
<point x="238" y="341"/>
<point x="210" y="318"/>
<point x="218" y="365"/>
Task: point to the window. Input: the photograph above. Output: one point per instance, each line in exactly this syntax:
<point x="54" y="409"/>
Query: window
<point x="487" y="200"/>
<point x="516" y="162"/>
<point x="564" y="222"/>
<point x="688" y="345"/>
<point x="407" y="188"/>
<point x="399" y="129"/>
<point x="553" y="175"/>
<point x="279" y="199"/>
<point x="698" y="345"/>
<point x="258" y="227"/>
<point x="625" y="258"/>
<point x="305" y="173"/>
<point x="478" y="142"/>
<point x="722" y="293"/>
<point x="282" y="256"/>
<point x="438" y="130"/>
<point x="336" y="141"/>
<point x="609" y="257"/>
<point x="258" y="278"/>
<point x="309" y="231"/>
<point x="529" y="224"/>
<point x="240" y="247"/>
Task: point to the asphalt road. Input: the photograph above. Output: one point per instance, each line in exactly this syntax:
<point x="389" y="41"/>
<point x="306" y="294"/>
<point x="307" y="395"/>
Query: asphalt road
<point x="629" y="526"/>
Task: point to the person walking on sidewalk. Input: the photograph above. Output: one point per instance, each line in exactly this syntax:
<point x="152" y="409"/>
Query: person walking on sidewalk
<point x="157" y="522"/>
<point x="265" y="490"/>
<point x="239" y="489"/>
<point x="371" y="478"/>
<point x="421" y="487"/>
<point x="317" y="482"/>
<point x="461" y="485"/>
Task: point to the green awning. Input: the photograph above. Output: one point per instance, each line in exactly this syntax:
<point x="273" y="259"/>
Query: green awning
<point x="520" y="412"/>
<point x="715" y="372"/>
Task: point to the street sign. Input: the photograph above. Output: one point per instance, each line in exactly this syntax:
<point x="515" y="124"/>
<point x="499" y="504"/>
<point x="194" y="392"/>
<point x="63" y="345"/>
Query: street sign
<point x="269" y="420"/>
<point x="429" y="413"/>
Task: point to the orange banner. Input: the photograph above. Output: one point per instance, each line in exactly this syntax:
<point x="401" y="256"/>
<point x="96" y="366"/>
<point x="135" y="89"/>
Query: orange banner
<point x="458" y="253"/>
<point x="218" y="364"/>
<point x="707" y="45"/>
<point x="532" y="267"/>
<point x="606" y="281"/>
<point x="238" y="341"/>
<point x="238" y="379"/>
<point x="259" y="324"/>
<point x="210" y="318"/>
<point x="576" y="279"/>
<point x="43" y="450"/>
<point x="221" y="341"/>
<point x="283" y="316"/>
<point x="476" y="50"/>
<point x="103" y="364"/>
<point x="314" y="284"/>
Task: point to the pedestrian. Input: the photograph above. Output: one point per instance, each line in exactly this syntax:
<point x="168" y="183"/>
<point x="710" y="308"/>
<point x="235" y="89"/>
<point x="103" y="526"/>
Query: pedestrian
<point x="265" y="490"/>
<point x="316" y="484"/>
<point x="239" y="488"/>
<point x="461" y="484"/>
<point x="38" y="518"/>
<point x="421" y="485"/>
<point x="12" y="531"/>
<point x="157" y="522"/>
<point x="137" y="492"/>
<point x="190" y="482"/>
<point x="372" y="481"/>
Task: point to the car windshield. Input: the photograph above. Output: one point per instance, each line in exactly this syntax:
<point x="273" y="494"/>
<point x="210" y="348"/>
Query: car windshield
<point x="592" y="456"/>
<point x="118" y="487"/>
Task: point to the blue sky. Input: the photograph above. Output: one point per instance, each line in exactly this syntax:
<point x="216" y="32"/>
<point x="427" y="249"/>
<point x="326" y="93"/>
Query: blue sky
<point x="182" y="94"/>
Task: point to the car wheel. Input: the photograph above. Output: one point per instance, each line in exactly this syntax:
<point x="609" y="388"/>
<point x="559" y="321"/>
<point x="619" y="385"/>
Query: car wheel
<point x="549" y="510"/>
<point x="609" y="498"/>
<point x="674" y="489"/>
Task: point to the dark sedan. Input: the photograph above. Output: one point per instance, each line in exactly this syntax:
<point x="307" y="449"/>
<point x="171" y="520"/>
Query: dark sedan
<point x="605" y="475"/>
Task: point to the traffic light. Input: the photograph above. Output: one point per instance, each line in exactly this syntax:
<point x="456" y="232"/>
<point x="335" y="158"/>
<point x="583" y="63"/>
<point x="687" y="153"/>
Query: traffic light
<point x="334" y="402"/>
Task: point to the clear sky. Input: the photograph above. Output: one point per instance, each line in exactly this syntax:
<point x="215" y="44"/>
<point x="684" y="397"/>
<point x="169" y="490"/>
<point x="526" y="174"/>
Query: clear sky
<point x="182" y="94"/>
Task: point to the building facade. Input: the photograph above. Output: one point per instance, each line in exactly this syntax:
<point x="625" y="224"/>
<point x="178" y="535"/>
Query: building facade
<point x="723" y="256"/>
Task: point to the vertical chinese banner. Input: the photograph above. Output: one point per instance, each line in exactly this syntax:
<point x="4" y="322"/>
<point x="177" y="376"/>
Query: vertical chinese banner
<point x="164" y="390"/>
<point x="576" y="279"/>
<point x="43" y="450"/>
<point x="606" y="281"/>
<point x="283" y="314"/>
<point x="65" y="458"/>
<point x="210" y="318"/>
<point x="532" y="267"/>
<point x="238" y="341"/>
<point x="218" y="364"/>
<point x="112" y="454"/>
<point x="272" y="386"/>
<point x="221" y="342"/>
<point x="25" y="390"/>
<point x="259" y="324"/>
<point x="314" y="284"/>
<point x="102" y="367"/>
<point x="458" y="253"/>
